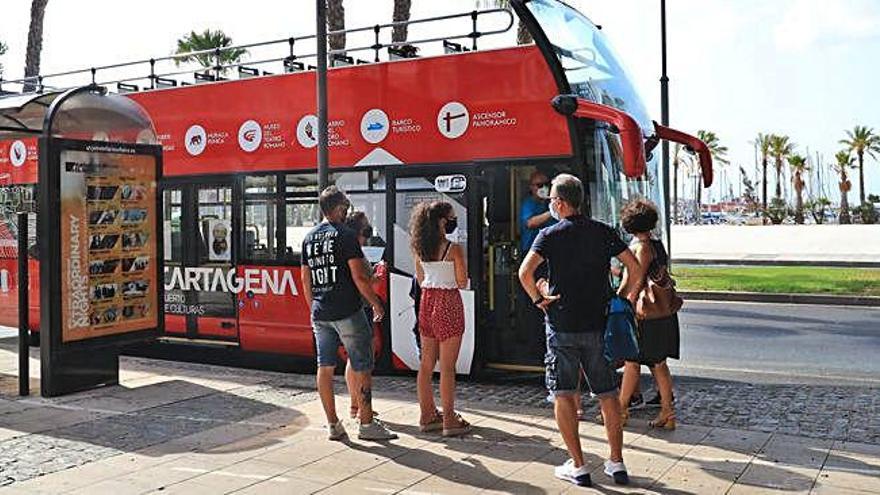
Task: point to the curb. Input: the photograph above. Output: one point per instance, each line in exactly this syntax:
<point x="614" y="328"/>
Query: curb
<point x="782" y="298"/>
<point x="760" y="262"/>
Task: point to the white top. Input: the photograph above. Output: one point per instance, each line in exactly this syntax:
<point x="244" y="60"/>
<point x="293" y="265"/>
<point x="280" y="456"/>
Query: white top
<point x="439" y="274"/>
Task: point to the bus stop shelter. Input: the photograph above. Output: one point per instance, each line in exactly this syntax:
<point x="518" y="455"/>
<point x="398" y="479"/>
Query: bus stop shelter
<point x="96" y="166"/>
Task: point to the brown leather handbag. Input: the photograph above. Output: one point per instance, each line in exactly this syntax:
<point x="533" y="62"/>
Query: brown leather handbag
<point x="658" y="298"/>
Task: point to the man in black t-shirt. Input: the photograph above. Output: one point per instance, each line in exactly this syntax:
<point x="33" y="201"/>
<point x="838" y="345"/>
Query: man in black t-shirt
<point x="334" y="279"/>
<point x="578" y="253"/>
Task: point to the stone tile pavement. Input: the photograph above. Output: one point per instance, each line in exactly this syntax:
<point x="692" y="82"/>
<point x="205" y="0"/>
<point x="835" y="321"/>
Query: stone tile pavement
<point x="190" y="428"/>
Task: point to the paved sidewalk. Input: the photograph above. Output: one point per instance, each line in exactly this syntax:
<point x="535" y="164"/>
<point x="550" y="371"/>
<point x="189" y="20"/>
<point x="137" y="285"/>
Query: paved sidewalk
<point x="188" y="428"/>
<point x="816" y="243"/>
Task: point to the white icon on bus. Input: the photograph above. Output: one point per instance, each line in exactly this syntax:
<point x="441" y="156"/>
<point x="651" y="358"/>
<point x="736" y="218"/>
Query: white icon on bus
<point x="250" y="135"/>
<point x="195" y="140"/>
<point x="453" y="120"/>
<point x="374" y="126"/>
<point x="17" y="153"/>
<point x="307" y="131"/>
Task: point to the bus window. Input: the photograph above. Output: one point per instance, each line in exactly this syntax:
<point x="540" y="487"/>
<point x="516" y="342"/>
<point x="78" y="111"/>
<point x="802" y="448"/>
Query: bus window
<point x="172" y="211"/>
<point x="302" y="212"/>
<point x="301" y="217"/>
<point x="215" y="206"/>
<point x="306" y="185"/>
<point x="259" y="229"/>
<point x="260" y="218"/>
<point x="13" y="199"/>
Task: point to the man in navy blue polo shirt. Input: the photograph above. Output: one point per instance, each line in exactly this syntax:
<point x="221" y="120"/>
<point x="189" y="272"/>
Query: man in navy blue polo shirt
<point x="578" y="253"/>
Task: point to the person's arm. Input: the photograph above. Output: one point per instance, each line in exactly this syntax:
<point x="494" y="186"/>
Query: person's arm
<point x="527" y="279"/>
<point x="458" y="259"/>
<point x="537" y="221"/>
<point x="633" y="278"/>
<point x="420" y="272"/>
<point x="362" y="281"/>
<point x="305" y="276"/>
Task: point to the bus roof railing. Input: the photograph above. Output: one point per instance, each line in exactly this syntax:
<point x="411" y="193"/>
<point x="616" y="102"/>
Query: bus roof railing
<point x="41" y="83"/>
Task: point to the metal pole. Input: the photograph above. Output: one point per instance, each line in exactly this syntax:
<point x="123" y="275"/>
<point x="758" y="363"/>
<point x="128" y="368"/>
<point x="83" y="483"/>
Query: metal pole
<point x="323" y="151"/>
<point x="664" y="119"/>
<point x="24" y="380"/>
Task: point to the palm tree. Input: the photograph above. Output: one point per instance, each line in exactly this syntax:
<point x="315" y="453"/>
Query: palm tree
<point x="523" y="37"/>
<point x="676" y="162"/>
<point x="336" y="22"/>
<point x="35" y="43"/>
<point x="208" y="40"/>
<point x="780" y="149"/>
<point x="763" y="142"/>
<point x="862" y="140"/>
<point x="718" y="152"/>
<point x="3" y="49"/>
<point x="401" y="14"/>
<point x="798" y="164"/>
<point x="844" y="161"/>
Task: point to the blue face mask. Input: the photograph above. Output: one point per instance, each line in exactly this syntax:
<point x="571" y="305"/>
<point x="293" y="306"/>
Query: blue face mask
<point x="554" y="212"/>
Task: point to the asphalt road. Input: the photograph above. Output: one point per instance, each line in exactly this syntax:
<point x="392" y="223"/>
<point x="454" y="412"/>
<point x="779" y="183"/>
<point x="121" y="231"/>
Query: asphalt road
<point x="771" y="343"/>
<point x="780" y="343"/>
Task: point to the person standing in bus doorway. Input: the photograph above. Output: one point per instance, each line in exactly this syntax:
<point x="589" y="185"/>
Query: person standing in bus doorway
<point x="578" y="252"/>
<point x="359" y="223"/>
<point x="441" y="272"/>
<point x="534" y="212"/>
<point x="334" y="281"/>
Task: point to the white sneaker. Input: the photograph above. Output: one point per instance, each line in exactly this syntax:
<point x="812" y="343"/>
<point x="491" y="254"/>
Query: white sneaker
<point x="617" y="471"/>
<point x="578" y="475"/>
<point x="336" y="431"/>
<point x="375" y="430"/>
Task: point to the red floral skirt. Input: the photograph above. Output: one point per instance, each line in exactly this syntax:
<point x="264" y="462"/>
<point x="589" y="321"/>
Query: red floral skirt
<point x="441" y="314"/>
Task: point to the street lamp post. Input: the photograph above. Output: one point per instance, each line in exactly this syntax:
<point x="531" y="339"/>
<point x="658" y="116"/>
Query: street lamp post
<point x="664" y="119"/>
<point x="323" y="155"/>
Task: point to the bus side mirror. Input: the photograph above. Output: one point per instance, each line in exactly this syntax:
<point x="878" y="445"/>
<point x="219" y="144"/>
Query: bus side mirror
<point x="692" y="144"/>
<point x="621" y="123"/>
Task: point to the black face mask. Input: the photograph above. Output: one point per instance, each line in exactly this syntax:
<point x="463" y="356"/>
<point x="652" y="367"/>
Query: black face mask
<point x="451" y="225"/>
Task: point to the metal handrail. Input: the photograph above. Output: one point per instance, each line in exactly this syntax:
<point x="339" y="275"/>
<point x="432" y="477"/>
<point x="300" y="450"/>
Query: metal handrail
<point x="40" y="80"/>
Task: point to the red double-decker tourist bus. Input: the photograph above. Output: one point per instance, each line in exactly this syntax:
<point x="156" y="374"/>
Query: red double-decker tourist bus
<point x="467" y="126"/>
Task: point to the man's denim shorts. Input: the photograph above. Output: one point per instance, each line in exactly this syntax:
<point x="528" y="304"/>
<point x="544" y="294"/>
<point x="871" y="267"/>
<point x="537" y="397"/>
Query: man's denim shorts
<point x="568" y="353"/>
<point x="356" y="336"/>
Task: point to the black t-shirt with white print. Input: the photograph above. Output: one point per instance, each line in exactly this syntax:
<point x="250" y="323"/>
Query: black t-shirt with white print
<point x="578" y="251"/>
<point x="326" y="251"/>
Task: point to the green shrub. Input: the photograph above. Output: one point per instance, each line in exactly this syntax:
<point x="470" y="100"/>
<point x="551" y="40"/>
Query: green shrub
<point x="778" y="211"/>
<point x="866" y="213"/>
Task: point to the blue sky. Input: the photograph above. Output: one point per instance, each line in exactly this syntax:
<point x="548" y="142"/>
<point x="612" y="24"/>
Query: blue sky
<point x="806" y="68"/>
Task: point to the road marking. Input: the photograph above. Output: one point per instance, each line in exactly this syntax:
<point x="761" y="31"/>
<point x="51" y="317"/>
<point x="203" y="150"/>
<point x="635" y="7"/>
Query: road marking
<point x="685" y="367"/>
<point x="794" y="305"/>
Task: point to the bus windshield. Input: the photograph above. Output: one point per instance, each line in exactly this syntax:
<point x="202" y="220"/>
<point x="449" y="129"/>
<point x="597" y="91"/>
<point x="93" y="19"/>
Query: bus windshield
<point x="590" y="65"/>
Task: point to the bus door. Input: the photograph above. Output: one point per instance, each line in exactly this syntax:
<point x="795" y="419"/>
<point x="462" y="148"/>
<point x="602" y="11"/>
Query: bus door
<point x="406" y="188"/>
<point x="199" y="258"/>
<point x="514" y="335"/>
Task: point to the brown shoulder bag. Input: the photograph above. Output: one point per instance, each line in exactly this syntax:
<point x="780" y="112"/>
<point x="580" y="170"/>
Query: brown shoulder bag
<point x="657" y="298"/>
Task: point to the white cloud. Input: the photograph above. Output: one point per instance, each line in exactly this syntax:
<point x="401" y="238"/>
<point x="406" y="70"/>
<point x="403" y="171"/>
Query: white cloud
<point x="806" y="23"/>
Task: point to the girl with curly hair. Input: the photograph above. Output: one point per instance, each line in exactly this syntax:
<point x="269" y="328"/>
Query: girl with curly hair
<point x="441" y="272"/>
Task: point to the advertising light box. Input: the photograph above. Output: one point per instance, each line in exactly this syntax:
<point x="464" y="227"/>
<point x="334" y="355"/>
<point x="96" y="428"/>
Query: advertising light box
<point x="108" y="228"/>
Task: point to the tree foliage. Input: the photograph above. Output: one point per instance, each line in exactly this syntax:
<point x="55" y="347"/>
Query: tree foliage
<point x="208" y="40"/>
<point x="3" y="49"/>
<point x="862" y="141"/>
